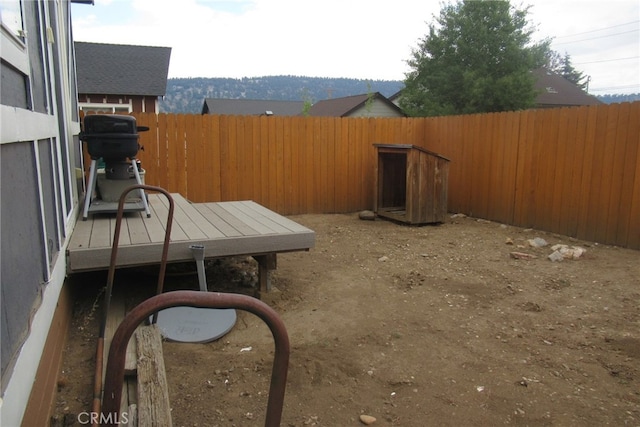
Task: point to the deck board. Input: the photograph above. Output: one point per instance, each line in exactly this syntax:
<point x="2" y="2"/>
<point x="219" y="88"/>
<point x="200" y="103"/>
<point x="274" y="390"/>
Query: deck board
<point x="241" y="227"/>
<point x="125" y="233"/>
<point x="276" y="223"/>
<point x="240" y="212"/>
<point x="155" y="225"/>
<point x="159" y="211"/>
<point x="224" y="228"/>
<point x="272" y="216"/>
<point x="81" y="237"/>
<point x="100" y="233"/>
<point x="187" y="223"/>
<point x="161" y="208"/>
<point x="210" y="230"/>
<point x="137" y="231"/>
<point x="221" y="228"/>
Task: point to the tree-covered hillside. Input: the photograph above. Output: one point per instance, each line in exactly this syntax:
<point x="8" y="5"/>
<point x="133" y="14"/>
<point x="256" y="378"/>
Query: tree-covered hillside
<point x="186" y="95"/>
<point x="613" y="99"/>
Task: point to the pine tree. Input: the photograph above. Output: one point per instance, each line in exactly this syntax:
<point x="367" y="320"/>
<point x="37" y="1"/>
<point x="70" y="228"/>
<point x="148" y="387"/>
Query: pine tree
<point x="477" y="57"/>
<point x="576" y="77"/>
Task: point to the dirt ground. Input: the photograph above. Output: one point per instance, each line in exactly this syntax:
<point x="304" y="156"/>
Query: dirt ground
<point x="414" y="326"/>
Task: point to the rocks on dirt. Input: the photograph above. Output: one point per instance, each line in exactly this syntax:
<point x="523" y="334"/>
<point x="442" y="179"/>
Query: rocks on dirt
<point x="531" y="306"/>
<point x="537" y="242"/>
<point x="367" y="419"/>
<point x="311" y="421"/>
<point x="556" y="257"/>
<point x="522" y="255"/>
<point x="367" y="215"/>
<point x="562" y="252"/>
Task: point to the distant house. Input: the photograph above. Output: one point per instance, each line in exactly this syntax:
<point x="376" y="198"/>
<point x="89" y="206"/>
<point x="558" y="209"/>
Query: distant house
<point x="556" y="91"/>
<point x="116" y="78"/>
<point x="252" y="107"/>
<point x="366" y="105"/>
<point x="395" y="98"/>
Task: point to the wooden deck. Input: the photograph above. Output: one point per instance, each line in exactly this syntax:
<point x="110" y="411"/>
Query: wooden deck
<point x="225" y="229"/>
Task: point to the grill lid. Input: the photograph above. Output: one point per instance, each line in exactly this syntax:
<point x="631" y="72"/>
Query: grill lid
<point x="109" y="123"/>
<point x="111" y="136"/>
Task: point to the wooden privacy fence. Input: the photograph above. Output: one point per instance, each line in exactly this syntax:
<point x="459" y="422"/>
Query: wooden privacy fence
<point x="572" y="171"/>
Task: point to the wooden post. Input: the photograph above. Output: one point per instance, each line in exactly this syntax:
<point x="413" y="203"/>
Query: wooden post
<point x="265" y="264"/>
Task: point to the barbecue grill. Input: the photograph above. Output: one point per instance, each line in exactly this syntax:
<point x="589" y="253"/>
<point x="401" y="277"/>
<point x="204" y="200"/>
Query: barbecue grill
<point x="114" y="139"/>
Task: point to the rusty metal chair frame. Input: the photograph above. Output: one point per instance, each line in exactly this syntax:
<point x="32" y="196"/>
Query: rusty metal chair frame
<point x="117" y="352"/>
<point x="97" y="391"/>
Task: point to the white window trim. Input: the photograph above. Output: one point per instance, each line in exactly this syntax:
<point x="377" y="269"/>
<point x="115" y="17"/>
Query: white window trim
<point x="13" y="50"/>
<point x="20" y="125"/>
<point x="104" y="106"/>
<point x="62" y="177"/>
<point x="46" y="253"/>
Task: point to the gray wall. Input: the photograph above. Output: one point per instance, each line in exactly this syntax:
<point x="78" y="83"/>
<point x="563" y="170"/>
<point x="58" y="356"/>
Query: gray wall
<point x="21" y="274"/>
<point x="37" y="187"/>
<point x="12" y="87"/>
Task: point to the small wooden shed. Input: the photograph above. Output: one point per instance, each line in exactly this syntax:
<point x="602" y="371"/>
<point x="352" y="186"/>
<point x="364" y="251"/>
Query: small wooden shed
<point x="411" y="184"/>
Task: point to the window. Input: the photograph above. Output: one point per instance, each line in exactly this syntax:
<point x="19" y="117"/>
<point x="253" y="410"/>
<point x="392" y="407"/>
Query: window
<point x="11" y="16"/>
<point x="99" y="108"/>
<point x="12" y="46"/>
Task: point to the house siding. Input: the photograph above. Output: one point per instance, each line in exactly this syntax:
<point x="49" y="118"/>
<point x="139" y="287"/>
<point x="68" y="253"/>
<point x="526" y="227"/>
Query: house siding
<point x="39" y="151"/>
<point x="139" y="104"/>
<point x="21" y="242"/>
<point x="13" y="89"/>
<point x="377" y="109"/>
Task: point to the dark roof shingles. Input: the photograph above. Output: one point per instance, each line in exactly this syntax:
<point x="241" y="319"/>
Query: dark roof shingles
<point x="555" y="90"/>
<point x="343" y="107"/>
<point x="122" y="69"/>
<point x="337" y="107"/>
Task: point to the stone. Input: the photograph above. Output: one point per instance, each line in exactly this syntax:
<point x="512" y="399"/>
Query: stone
<point x="567" y="252"/>
<point x="578" y="252"/>
<point x="367" y="215"/>
<point x="522" y="255"/>
<point x="367" y="419"/>
<point x="556" y="256"/>
<point x="538" y="242"/>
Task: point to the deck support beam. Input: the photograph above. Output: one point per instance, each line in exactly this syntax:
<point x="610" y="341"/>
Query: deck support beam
<point x="266" y="263"/>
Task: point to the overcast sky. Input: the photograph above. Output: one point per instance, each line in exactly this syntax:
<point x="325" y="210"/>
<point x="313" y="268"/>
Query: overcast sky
<point x="365" y="39"/>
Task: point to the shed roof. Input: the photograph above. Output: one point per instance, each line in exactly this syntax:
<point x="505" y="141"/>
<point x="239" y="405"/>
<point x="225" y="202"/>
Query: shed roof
<point x="114" y="69"/>
<point x="341" y="107"/>
<point x="251" y="107"/>
<point x="556" y="91"/>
